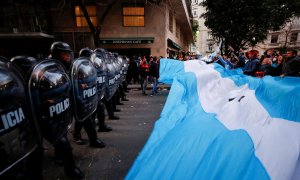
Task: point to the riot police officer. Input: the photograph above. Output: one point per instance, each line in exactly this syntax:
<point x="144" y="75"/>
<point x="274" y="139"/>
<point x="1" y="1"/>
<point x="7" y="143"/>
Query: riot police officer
<point x="24" y="64"/>
<point x="100" y="66"/>
<point x="20" y="141"/>
<point x="122" y="85"/>
<point x="63" y="52"/>
<point x="111" y="84"/>
<point x="63" y="151"/>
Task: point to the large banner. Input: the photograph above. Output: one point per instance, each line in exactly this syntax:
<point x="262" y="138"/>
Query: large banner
<point x="221" y="124"/>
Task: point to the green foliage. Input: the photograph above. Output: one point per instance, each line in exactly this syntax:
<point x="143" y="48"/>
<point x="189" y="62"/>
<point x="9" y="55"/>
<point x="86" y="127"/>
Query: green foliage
<point x="246" y="22"/>
<point x="195" y="29"/>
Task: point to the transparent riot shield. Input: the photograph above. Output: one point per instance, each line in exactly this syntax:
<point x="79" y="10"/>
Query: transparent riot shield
<point x="18" y="133"/>
<point x="111" y="83"/>
<point x="84" y="85"/>
<point x="100" y="65"/>
<point x="50" y="98"/>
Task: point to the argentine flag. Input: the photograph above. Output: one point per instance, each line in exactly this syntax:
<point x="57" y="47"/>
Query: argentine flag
<point x="220" y="124"/>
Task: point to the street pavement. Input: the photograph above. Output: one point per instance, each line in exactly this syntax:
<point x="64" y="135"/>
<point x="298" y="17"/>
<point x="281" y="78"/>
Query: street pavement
<point x="129" y="135"/>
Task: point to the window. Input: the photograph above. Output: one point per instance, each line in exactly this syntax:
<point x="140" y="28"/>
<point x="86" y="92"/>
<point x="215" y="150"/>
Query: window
<point x="177" y="30"/>
<point x="294" y="37"/>
<point x="80" y="19"/>
<point x="209" y="36"/>
<point x="133" y="16"/>
<point x="209" y="48"/>
<point x="274" y="38"/>
<point x="170" y="21"/>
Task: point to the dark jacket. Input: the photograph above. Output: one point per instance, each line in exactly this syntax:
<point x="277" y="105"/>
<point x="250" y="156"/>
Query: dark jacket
<point x="251" y="67"/>
<point x="153" y="69"/>
<point x="267" y="69"/>
<point x="292" y="67"/>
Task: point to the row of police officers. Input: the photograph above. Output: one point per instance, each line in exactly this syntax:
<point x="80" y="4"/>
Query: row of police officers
<point x="39" y="99"/>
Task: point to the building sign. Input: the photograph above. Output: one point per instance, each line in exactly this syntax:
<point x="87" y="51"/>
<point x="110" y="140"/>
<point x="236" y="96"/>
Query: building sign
<point x="126" y="40"/>
<point x="173" y="45"/>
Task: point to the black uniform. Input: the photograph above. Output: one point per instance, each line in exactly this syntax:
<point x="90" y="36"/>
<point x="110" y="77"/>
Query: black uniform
<point x="111" y="84"/>
<point x="84" y="80"/>
<point x="98" y="61"/>
<point x="21" y="152"/>
<point x="63" y="149"/>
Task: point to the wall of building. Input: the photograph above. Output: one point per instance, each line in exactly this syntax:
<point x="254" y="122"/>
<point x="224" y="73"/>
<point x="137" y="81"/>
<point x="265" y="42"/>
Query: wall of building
<point x="59" y="20"/>
<point x="154" y="27"/>
<point x="172" y="35"/>
<point x="64" y="27"/>
<point x="24" y="28"/>
<point x="204" y="43"/>
<point x="284" y="37"/>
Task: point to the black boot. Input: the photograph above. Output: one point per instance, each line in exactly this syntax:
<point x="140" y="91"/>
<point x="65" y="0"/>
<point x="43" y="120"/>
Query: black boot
<point x="110" y="110"/>
<point x="97" y="143"/>
<point x="101" y="118"/>
<point x="92" y="134"/>
<point x="104" y="128"/>
<point x="78" y="140"/>
<point x="64" y="149"/>
<point x="76" y="134"/>
<point x="119" y="103"/>
<point x="114" y="117"/>
<point x="117" y="110"/>
<point x="74" y="173"/>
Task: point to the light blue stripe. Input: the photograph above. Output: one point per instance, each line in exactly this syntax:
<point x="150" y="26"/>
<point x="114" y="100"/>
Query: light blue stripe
<point x="168" y="69"/>
<point x="279" y="96"/>
<point x="188" y="143"/>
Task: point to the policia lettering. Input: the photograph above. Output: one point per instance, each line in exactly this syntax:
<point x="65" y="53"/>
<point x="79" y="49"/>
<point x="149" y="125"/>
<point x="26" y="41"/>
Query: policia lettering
<point x="89" y="92"/>
<point x="111" y="82"/>
<point x="11" y="119"/>
<point x="100" y="79"/>
<point x="59" y="107"/>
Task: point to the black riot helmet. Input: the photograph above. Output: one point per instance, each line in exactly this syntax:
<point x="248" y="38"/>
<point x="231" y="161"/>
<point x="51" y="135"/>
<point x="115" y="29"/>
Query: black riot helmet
<point x="8" y="86"/>
<point x="115" y="54"/>
<point x="100" y="50"/>
<point x="24" y="63"/>
<point x="3" y="60"/>
<point x="85" y="52"/>
<point x="62" y="51"/>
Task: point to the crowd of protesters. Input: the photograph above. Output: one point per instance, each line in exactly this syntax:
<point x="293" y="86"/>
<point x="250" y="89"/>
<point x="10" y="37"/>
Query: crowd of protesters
<point x="144" y="71"/>
<point x="271" y="63"/>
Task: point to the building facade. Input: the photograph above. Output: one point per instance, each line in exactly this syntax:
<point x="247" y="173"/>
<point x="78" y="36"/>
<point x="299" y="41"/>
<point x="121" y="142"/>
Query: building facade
<point x="129" y="27"/>
<point x="137" y="28"/>
<point x="25" y="28"/>
<point x="286" y="38"/>
<point x="204" y="43"/>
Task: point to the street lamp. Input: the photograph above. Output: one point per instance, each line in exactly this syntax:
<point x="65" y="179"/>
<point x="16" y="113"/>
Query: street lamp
<point x="253" y="42"/>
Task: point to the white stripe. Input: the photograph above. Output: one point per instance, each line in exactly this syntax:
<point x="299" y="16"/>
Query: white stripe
<point x="276" y="141"/>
